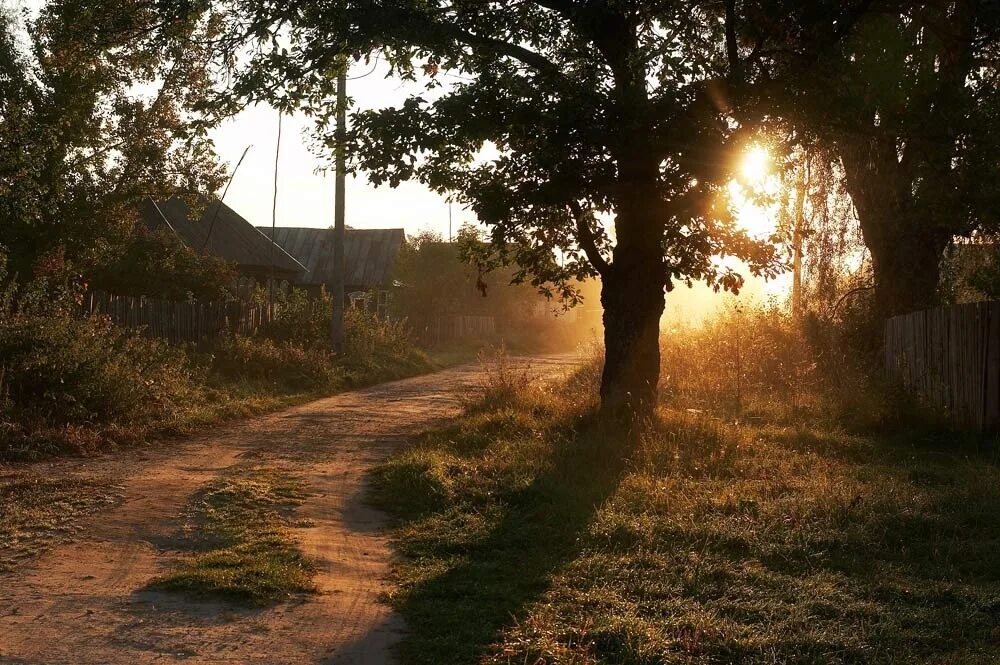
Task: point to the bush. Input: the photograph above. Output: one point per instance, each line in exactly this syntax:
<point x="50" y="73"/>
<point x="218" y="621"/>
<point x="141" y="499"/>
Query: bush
<point x="301" y="319"/>
<point x="63" y="376"/>
<point x="289" y="365"/>
<point x="159" y="265"/>
<point x="754" y="362"/>
<point x="379" y="349"/>
<point x="741" y="360"/>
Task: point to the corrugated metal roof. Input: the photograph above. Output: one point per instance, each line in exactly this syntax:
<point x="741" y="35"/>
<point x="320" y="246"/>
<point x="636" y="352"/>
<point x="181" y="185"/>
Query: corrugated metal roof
<point x="369" y="254"/>
<point x="222" y="232"/>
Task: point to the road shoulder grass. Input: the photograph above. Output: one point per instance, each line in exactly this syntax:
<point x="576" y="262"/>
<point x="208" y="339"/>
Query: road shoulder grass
<point x="528" y="532"/>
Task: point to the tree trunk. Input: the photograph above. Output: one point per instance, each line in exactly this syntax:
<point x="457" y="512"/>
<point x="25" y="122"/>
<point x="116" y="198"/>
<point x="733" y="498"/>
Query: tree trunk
<point x="907" y="269"/>
<point x="798" y="237"/>
<point x="633" y="300"/>
<point x="633" y="304"/>
<point x="905" y="244"/>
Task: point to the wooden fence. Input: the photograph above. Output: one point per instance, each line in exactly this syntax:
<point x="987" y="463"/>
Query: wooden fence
<point x="445" y="329"/>
<point x="951" y="357"/>
<point x="178" y="321"/>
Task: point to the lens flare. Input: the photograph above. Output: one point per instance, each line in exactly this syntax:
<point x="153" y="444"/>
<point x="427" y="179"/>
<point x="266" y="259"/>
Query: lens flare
<point x="756" y="165"/>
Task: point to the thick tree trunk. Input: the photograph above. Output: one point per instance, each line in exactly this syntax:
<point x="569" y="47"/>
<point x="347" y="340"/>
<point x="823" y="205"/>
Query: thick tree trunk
<point x="907" y="268"/>
<point x="905" y="244"/>
<point x="633" y="303"/>
<point x="633" y="300"/>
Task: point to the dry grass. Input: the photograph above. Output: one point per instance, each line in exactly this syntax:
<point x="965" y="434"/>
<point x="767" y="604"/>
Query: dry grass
<point x="35" y="512"/>
<point x="530" y="533"/>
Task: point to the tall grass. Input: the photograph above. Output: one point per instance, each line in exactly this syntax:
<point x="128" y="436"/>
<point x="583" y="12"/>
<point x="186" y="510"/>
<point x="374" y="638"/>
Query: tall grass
<point x="71" y="382"/>
<point x="743" y="526"/>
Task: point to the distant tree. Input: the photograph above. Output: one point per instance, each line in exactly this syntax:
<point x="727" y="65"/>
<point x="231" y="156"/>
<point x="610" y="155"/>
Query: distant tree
<point x="909" y="104"/>
<point x="817" y="222"/>
<point x="95" y="103"/>
<point x="610" y="117"/>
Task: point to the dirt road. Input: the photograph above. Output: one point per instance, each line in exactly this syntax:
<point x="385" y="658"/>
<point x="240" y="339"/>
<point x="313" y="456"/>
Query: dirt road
<point x="83" y="601"/>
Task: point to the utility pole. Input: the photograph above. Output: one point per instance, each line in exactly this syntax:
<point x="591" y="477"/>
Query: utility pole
<point x="337" y="286"/>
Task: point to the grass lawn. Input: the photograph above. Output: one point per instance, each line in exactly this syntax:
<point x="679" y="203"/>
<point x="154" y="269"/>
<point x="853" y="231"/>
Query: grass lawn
<point x="239" y="530"/>
<point x="531" y="534"/>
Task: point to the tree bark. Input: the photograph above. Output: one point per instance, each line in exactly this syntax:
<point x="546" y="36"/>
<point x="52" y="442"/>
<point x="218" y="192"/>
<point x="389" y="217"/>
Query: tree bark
<point x="907" y="269"/>
<point x="905" y="244"/>
<point x="633" y="299"/>
<point x="633" y="284"/>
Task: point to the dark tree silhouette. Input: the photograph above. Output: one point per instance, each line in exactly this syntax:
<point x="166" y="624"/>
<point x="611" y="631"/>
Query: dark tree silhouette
<point x="610" y="110"/>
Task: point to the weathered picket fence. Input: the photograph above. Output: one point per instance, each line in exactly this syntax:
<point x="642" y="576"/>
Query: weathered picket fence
<point x="951" y="357"/>
<point x="178" y="321"/>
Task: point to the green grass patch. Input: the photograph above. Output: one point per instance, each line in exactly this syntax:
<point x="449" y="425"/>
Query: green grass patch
<point x="239" y="528"/>
<point x="529" y="533"/>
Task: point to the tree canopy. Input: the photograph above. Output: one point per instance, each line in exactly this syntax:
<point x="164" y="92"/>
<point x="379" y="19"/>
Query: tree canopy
<point x="908" y="105"/>
<point x="94" y="117"/>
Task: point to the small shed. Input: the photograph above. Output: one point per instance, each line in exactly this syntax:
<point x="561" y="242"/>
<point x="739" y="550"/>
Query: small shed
<point x="221" y="231"/>
<point x="369" y="256"/>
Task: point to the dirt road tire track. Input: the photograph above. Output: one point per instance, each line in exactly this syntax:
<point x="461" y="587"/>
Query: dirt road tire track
<point x="83" y="602"/>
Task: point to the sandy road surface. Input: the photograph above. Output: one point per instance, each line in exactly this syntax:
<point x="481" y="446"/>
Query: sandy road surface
<point x="84" y="601"/>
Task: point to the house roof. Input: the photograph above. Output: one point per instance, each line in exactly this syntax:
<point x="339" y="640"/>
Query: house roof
<point x="222" y="232"/>
<point x="369" y="254"/>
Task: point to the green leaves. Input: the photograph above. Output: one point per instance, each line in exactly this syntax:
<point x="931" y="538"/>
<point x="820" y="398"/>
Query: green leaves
<point x="96" y="114"/>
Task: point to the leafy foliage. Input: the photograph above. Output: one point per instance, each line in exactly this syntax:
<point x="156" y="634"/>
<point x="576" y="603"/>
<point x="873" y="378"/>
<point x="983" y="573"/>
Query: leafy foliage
<point x="544" y="83"/>
<point x="61" y="371"/>
<point x="908" y="105"/>
<point x="94" y="117"/>
<point x="160" y="265"/>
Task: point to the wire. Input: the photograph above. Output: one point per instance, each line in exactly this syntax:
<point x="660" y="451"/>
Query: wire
<point x="218" y="208"/>
<point x="374" y="67"/>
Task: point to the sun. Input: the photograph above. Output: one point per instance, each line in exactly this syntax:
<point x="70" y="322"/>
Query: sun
<point x="754" y="180"/>
<point x="756" y="165"/>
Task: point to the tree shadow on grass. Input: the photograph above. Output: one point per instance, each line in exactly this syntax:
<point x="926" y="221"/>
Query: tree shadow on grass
<point x="491" y="581"/>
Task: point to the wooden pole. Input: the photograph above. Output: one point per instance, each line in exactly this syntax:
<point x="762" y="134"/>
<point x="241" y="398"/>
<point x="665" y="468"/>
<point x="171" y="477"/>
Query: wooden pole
<point x="337" y="286"/>
<point x="274" y="225"/>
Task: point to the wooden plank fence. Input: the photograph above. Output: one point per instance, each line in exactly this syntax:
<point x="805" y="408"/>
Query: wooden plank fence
<point x="951" y="357"/>
<point x="178" y="321"/>
<point x="444" y="329"/>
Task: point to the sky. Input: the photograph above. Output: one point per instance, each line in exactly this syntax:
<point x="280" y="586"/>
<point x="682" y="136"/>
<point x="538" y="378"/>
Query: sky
<point x="305" y="197"/>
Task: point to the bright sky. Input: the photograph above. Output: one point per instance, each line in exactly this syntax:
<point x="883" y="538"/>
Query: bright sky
<point x="305" y="198"/>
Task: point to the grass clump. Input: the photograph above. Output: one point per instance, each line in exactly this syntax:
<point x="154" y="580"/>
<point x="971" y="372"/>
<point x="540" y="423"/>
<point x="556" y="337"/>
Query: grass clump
<point x="239" y="528"/>
<point x="532" y="533"/>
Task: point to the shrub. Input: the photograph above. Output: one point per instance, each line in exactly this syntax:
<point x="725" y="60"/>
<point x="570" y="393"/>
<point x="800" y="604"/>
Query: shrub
<point x="71" y="370"/>
<point x="301" y="319"/>
<point x="376" y="349"/>
<point x="743" y="359"/>
<point x="158" y="264"/>
<point x="289" y="365"/>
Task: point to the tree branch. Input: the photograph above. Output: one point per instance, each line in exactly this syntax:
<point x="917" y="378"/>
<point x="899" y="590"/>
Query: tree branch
<point x="586" y="239"/>
<point x="534" y="60"/>
<point x="732" y="46"/>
